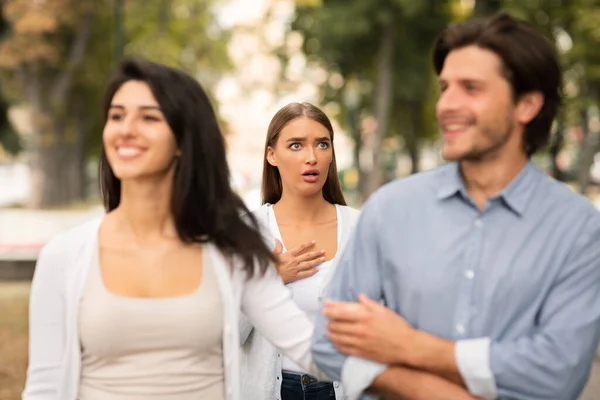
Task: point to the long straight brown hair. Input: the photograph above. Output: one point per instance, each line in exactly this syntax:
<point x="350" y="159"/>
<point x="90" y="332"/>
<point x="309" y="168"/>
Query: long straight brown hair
<point x="271" y="180"/>
<point x="203" y="204"/>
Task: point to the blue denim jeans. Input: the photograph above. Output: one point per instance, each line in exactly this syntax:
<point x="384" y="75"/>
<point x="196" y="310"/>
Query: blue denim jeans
<point x="305" y="387"/>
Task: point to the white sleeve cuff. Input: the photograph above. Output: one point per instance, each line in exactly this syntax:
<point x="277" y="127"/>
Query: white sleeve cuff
<point x="473" y="361"/>
<point x="358" y="374"/>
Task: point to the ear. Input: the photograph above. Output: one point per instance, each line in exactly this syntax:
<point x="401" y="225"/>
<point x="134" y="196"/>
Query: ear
<point x="271" y="156"/>
<point x="528" y="106"/>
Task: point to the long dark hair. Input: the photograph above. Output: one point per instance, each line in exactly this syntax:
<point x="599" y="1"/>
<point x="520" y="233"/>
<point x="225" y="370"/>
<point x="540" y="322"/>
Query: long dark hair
<point x="272" y="187"/>
<point x="530" y="64"/>
<point x="203" y="204"/>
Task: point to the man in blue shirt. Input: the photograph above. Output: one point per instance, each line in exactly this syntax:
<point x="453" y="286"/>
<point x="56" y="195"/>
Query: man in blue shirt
<point x="489" y="269"/>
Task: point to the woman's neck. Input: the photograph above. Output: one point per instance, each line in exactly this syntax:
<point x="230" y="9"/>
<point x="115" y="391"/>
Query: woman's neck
<point x="145" y="209"/>
<point x="303" y="210"/>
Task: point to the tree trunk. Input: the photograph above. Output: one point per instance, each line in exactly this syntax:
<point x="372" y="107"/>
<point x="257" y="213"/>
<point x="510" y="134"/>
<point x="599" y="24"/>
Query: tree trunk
<point x="383" y="103"/>
<point x="163" y="16"/>
<point x="54" y="156"/>
<point x="355" y="131"/>
<point x="118" y="31"/>
<point x="588" y="147"/>
<point x="413" y="129"/>
<point x="80" y="181"/>
<point x="555" y="147"/>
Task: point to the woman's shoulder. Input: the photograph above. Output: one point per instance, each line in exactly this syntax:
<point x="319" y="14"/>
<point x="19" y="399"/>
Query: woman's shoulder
<point x="71" y="241"/>
<point x="261" y="212"/>
<point x="349" y="212"/>
<point x="57" y="261"/>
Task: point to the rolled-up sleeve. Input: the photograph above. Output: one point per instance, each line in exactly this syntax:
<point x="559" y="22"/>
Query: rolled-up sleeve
<point x="358" y="271"/>
<point x="554" y="361"/>
<point x="358" y="374"/>
<point x="473" y="361"/>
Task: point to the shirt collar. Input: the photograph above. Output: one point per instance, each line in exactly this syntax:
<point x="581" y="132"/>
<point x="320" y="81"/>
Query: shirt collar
<point x="451" y="182"/>
<point x="518" y="192"/>
<point x="516" y="195"/>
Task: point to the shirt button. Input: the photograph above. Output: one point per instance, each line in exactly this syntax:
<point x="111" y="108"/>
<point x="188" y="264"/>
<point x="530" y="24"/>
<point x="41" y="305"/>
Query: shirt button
<point x="478" y="223"/>
<point x="320" y="298"/>
<point x="460" y="329"/>
<point x="336" y="384"/>
<point x="469" y="274"/>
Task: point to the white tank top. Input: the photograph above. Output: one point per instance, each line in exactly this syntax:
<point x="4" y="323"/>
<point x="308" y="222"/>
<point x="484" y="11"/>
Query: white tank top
<point x="305" y="292"/>
<point x="151" y="348"/>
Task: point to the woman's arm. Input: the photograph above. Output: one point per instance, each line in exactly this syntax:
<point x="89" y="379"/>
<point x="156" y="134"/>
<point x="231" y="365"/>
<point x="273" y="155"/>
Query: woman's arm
<point x="46" y="326"/>
<point x="245" y="328"/>
<point x="270" y="309"/>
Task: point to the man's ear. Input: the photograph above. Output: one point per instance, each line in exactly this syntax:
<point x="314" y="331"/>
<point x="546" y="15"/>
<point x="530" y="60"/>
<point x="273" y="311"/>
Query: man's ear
<point x="529" y="106"/>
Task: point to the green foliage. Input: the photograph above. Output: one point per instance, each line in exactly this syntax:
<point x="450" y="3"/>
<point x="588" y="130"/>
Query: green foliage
<point x="186" y="36"/>
<point x="344" y="36"/>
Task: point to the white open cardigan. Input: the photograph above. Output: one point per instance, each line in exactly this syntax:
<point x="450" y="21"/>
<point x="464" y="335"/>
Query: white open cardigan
<point x="260" y="362"/>
<point x="54" y="346"/>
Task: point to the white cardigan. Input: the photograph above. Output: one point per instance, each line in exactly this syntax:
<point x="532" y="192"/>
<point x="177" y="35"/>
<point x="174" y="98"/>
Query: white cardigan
<point x="54" y="346"/>
<point x="260" y="361"/>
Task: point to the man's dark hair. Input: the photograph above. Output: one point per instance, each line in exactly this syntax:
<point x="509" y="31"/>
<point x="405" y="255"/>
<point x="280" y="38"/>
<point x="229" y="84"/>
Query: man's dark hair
<point x="529" y="60"/>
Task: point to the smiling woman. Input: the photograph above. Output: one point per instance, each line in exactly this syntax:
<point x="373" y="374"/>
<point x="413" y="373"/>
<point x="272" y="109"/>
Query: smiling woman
<point x="144" y="303"/>
<point x="131" y="155"/>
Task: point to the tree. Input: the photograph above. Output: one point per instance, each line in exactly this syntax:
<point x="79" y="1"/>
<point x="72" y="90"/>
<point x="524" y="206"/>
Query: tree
<point x="386" y="46"/>
<point x="45" y="51"/>
<point x="9" y="140"/>
<point x="485" y="8"/>
<point x="573" y="27"/>
<point x="57" y="57"/>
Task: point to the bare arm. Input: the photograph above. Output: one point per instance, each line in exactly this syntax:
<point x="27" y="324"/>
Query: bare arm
<point x="400" y="383"/>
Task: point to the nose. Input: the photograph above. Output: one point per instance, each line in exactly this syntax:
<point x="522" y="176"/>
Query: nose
<point x="127" y="126"/>
<point x="311" y="156"/>
<point x="448" y="101"/>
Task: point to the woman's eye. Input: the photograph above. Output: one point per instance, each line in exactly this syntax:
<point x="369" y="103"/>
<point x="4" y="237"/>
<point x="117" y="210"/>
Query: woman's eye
<point x="115" y="117"/>
<point x="323" y="145"/>
<point x="295" y="146"/>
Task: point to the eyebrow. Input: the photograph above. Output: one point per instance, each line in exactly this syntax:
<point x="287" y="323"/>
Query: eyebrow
<point x="463" y="81"/>
<point x="120" y="107"/>
<point x="303" y="139"/>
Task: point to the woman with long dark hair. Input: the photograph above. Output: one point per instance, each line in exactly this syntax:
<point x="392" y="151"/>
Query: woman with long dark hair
<point x="144" y="303"/>
<point x="305" y="213"/>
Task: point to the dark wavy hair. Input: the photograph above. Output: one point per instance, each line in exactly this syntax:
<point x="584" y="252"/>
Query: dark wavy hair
<point x="272" y="187"/>
<point x="530" y="64"/>
<point x="203" y="204"/>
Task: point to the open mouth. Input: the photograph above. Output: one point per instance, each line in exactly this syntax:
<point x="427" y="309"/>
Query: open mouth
<point x="311" y="175"/>
<point x="311" y="172"/>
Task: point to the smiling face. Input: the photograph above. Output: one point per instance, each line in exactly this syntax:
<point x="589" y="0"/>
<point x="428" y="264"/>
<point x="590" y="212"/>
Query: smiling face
<point x="137" y="138"/>
<point x="302" y="154"/>
<point x="476" y="111"/>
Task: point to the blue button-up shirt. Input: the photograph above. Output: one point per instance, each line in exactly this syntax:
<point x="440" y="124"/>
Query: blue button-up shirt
<point x="523" y="272"/>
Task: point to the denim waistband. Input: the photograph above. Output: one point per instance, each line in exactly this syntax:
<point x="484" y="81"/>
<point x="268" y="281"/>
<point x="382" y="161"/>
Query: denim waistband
<point x="297" y="377"/>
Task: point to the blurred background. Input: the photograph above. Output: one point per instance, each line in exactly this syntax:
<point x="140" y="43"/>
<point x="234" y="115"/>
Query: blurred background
<point x="366" y="63"/>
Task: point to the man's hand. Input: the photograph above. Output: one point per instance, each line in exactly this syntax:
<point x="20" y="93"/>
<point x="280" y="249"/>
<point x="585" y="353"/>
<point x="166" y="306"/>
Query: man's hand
<point x="298" y="263"/>
<point x="369" y="330"/>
